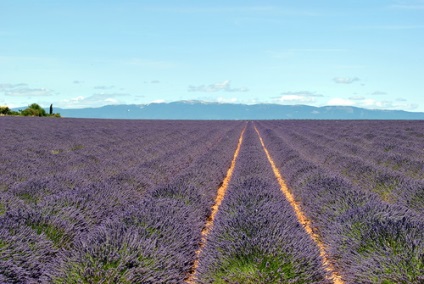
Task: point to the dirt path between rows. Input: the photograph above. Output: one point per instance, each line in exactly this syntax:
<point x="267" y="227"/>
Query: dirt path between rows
<point x="301" y="217"/>
<point x="191" y="278"/>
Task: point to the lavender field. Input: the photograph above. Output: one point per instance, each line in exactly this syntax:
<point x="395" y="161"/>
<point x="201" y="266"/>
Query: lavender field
<point x="119" y="201"/>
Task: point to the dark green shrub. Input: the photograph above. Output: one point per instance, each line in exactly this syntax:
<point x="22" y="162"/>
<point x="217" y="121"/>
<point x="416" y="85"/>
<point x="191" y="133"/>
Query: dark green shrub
<point x="5" y="110"/>
<point x="34" y="110"/>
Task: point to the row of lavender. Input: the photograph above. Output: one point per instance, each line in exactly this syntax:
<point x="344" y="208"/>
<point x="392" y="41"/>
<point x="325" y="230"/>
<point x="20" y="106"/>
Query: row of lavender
<point x="380" y="166"/>
<point x="86" y="151"/>
<point x="256" y="237"/>
<point x="118" y="201"/>
<point x="370" y="238"/>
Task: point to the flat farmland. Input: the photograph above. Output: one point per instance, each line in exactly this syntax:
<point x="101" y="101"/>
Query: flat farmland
<point x="127" y="201"/>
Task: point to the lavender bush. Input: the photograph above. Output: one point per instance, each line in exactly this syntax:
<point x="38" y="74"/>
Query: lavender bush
<point x="371" y="239"/>
<point x="104" y="200"/>
<point x="256" y="237"/>
<point x="115" y="201"/>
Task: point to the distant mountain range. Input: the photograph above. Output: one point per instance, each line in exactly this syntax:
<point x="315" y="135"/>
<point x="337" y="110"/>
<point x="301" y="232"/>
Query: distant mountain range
<point x="225" y="111"/>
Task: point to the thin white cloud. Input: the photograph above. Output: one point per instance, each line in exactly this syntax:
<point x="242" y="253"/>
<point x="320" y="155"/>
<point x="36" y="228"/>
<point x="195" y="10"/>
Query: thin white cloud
<point x="224" y="86"/>
<point x="215" y="9"/>
<point x="295" y="99"/>
<point x="302" y="93"/>
<point x="378" y="93"/>
<point x="408" y="5"/>
<point x="95" y="100"/>
<point x="404" y="105"/>
<point x="104" y="87"/>
<point x="111" y="101"/>
<point x="152" y="82"/>
<point x="158" y="101"/>
<point x="357" y="98"/>
<point x="73" y="101"/>
<point x="340" y="102"/>
<point x="370" y="103"/>
<point x="100" y="95"/>
<point x="299" y="97"/>
<point x="29" y="92"/>
<point x="8" y="87"/>
<point x="388" y="27"/>
<point x="152" y="64"/>
<point x="345" y="80"/>
<point x="23" y="90"/>
<point x="227" y="100"/>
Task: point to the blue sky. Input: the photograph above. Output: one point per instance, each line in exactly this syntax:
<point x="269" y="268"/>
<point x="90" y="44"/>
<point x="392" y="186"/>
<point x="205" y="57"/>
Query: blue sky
<point x="74" y="54"/>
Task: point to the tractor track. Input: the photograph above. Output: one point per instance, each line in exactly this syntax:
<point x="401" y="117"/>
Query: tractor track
<point x="303" y="219"/>
<point x="191" y="277"/>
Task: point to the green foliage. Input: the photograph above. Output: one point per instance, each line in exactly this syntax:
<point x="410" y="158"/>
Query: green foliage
<point x="5" y="110"/>
<point x="31" y="110"/>
<point x="34" y="110"/>
<point x="384" y="189"/>
<point x="53" y="233"/>
<point x="107" y="270"/>
<point x="386" y="240"/>
<point x="28" y="197"/>
<point x="2" y="209"/>
<point x="257" y="268"/>
<point x="104" y="272"/>
<point x="387" y="282"/>
<point x="77" y="147"/>
<point x="3" y="244"/>
<point x="55" y="152"/>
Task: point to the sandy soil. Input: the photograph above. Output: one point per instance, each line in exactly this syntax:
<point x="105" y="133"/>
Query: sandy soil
<point x="306" y="223"/>
<point x="218" y="200"/>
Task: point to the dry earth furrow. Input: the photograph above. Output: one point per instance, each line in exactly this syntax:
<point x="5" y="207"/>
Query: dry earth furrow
<point x="302" y="218"/>
<point x="214" y="210"/>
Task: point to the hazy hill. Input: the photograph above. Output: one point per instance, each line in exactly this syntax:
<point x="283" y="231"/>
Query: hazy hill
<point x="203" y="110"/>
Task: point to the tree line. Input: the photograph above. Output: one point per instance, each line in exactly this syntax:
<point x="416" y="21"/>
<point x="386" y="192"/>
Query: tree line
<point x="31" y="110"/>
